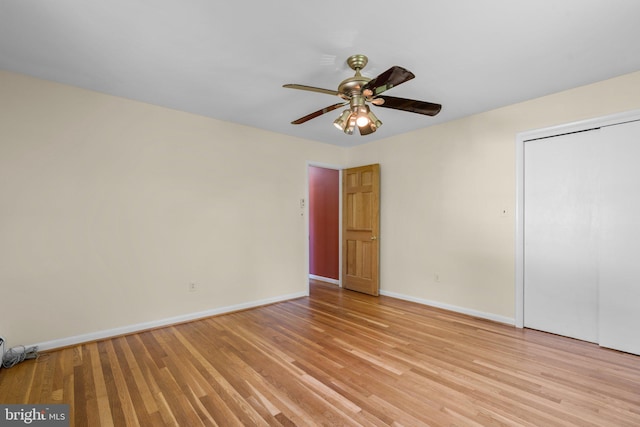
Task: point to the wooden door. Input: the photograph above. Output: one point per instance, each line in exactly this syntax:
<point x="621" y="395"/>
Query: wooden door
<point x="360" y="232"/>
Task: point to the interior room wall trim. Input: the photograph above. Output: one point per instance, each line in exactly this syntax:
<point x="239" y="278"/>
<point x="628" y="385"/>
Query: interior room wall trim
<point x="125" y="330"/>
<point x="462" y="310"/>
<point x="324" y="279"/>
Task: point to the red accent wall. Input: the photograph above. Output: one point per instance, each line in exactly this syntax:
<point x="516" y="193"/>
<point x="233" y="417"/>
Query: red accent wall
<point x="324" y="222"/>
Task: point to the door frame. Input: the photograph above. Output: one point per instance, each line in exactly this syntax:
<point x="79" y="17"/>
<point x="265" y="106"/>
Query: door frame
<point x="521" y="138"/>
<point x="307" y="232"/>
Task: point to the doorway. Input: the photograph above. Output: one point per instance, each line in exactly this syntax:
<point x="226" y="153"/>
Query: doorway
<point x="324" y="230"/>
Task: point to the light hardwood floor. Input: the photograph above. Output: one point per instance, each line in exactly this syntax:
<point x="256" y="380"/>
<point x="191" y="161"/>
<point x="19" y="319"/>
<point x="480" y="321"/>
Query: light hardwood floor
<point x="335" y="358"/>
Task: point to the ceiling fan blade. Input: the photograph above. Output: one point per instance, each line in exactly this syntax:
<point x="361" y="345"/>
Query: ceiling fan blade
<point x="312" y="89"/>
<point x="390" y="78"/>
<point x="411" y="105"/>
<point x="318" y="113"/>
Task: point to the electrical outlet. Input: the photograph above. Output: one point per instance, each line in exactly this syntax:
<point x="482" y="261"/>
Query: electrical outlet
<point x="2" y="347"/>
<point x="192" y="287"/>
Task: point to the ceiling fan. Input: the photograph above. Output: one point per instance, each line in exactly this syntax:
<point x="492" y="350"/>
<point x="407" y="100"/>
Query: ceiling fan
<point x="359" y="90"/>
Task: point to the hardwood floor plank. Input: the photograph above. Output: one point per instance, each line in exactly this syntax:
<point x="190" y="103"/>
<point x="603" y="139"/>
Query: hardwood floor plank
<point x="335" y="358"/>
<point x="227" y="391"/>
<point x="78" y="401"/>
<point x="136" y="382"/>
<point x="100" y="392"/>
<point x="123" y="392"/>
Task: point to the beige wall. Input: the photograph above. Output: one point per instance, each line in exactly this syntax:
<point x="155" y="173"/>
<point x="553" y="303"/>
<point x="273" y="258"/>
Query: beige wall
<point x="109" y="208"/>
<point x="444" y="189"/>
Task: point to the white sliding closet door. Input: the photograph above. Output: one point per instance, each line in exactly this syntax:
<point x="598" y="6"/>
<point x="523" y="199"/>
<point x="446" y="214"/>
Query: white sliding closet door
<point x="561" y="216"/>
<point x="581" y="230"/>
<point x="619" y="293"/>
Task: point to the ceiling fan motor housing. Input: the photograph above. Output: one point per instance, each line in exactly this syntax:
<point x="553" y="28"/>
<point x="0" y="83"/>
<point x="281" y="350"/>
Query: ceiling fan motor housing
<point x="352" y="86"/>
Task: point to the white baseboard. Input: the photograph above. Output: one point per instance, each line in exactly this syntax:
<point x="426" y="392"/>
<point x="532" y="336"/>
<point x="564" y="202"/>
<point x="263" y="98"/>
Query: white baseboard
<point x="324" y="279"/>
<point x="108" y="333"/>
<point x="94" y="336"/>
<point x="462" y="310"/>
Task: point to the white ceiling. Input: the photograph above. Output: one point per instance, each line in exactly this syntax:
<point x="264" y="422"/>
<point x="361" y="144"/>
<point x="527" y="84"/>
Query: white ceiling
<point x="229" y="59"/>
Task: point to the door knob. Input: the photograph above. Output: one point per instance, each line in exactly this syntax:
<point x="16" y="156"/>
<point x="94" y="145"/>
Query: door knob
<point x="374" y="238"/>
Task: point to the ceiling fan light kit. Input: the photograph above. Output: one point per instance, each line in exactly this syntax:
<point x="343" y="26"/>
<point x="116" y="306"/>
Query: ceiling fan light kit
<point x="359" y="90"/>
